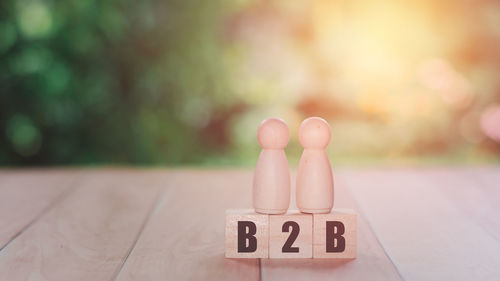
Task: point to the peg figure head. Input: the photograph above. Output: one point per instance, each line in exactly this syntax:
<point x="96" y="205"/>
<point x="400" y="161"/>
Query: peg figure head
<point x="314" y="132"/>
<point x="273" y="133"/>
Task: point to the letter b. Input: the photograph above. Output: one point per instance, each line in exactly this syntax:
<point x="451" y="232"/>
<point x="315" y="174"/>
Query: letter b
<point x="246" y="232"/>
<point x="335" y="242"/>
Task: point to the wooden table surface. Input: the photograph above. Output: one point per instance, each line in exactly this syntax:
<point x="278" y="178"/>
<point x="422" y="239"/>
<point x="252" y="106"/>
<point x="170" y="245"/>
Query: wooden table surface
<point x="131" y="224"/>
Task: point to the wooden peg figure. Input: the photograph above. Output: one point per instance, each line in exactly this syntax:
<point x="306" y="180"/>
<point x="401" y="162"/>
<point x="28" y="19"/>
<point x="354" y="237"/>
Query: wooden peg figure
<point x="314" y="189"/>
<point x="271" y="182"/>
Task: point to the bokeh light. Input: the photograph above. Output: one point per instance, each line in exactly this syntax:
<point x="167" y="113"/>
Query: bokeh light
<point x="490" y="122"/>
<point x="188" y="82"/>
<point x="34" y="18"/>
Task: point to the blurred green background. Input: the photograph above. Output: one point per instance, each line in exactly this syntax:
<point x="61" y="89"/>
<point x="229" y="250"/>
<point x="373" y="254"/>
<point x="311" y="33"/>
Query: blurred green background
<point x="187" y="82"/>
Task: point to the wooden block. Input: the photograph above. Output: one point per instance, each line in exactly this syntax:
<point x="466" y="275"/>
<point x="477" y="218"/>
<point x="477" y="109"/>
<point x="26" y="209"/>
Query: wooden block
<point x="290" y="235"/>
<point x="334" y="234"/>
<point x="247" y="234"/>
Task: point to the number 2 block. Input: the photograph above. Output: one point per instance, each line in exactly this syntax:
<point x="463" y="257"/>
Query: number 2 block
<point x="290" y="235"/>
<point x="335" y="234"/>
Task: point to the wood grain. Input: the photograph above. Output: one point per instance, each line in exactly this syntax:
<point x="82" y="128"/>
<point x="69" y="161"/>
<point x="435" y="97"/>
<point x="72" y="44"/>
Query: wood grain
<point x="87" y="235"/>
<point x="184" y="239"/>
<point x="371" y="262"/>
<point x="24" y="196"/>
<point x="428" y="224"/>
<point x="474" y="191"/>
<point x="433" y="223"/>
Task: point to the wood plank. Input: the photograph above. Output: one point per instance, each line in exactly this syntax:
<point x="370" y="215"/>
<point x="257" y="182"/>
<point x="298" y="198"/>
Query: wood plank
<point x="88" y="234"/>
<point x="488" y="178"/>
<point x="184" y="239"/>
<point x="475" y="192"/>
<point x="25" y="195"/>
<point x="371" y="262"/>
<point x="425" y="223"/>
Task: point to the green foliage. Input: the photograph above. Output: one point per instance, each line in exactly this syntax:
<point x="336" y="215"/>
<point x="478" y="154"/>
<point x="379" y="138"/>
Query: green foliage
<point x="87" y="81"/>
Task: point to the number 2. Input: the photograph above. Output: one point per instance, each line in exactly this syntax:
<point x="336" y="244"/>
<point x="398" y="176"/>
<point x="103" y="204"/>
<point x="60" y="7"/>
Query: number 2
<point x="287" y="248"/>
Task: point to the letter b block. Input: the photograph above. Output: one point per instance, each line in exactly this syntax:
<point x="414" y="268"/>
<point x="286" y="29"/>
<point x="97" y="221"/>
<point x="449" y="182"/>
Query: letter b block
<point x="247" y="234"/>
<point x="335" y="235"/>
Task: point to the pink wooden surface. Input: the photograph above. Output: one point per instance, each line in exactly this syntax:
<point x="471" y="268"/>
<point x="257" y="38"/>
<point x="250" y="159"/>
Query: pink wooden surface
<point x="26" y="195"/>
<point x="184" y="240"/>
<point x="432" y="223"/>
<point x="129" y="224"/>
<point x="87" y="235"/>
